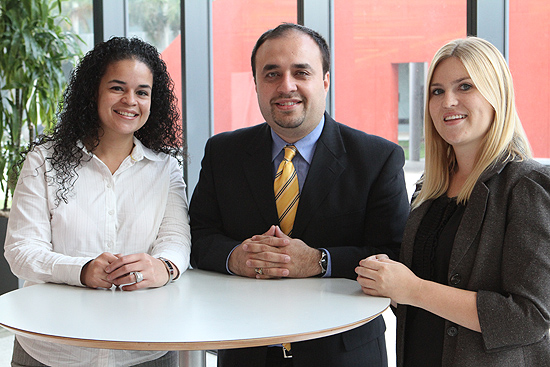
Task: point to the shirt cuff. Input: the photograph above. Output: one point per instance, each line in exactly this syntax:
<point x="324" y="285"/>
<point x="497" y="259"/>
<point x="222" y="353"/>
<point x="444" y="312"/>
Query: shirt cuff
<point x="68" y="270"/>
<point x="227" y="261"/>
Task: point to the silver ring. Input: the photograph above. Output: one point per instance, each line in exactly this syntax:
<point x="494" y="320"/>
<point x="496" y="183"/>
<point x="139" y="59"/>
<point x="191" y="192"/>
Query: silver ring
<point x="259" y="271"/>
<point x="138" y="275"/>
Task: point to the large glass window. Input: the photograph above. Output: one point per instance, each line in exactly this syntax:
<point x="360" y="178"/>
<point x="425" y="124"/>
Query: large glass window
<point x="159" y="23"/>
<point x="236" y="25"/>
<point x="377" y="44"/>
<point x="80" y="15"/>
<point x="155" y="21"/>
<point x="529" y="60"/>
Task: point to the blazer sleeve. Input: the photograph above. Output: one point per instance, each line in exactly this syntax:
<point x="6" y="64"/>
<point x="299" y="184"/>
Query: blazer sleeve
<point x="520" y="314"/>
<point x="210" y="246"/>
<point x="386" y="214"/>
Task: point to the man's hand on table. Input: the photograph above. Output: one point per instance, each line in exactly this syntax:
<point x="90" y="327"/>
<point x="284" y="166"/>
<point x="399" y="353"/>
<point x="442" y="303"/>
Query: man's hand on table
<point x="274" y="255"/>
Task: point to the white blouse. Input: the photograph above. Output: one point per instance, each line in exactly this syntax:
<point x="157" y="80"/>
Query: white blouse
<point x="142" y="207"/>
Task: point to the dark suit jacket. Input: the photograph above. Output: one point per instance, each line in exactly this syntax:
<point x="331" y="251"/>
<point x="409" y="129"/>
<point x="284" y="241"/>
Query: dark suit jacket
<point x="502" y="251"/>
<point x="353" y="203"/>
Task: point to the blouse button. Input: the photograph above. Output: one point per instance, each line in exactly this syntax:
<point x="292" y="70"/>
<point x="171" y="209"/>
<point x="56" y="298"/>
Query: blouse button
<point x="456" y="279"/>
<point x="452" y="331"/>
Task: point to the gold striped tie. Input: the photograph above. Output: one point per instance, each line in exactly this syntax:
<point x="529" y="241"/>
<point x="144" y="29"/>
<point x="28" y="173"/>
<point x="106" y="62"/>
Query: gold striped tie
<point x="287" y="191"/>
<point x="287" y="194"/>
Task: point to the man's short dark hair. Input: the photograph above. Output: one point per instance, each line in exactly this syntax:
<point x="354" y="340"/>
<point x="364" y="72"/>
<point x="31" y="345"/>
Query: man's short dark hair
<point x="282" y="30"/>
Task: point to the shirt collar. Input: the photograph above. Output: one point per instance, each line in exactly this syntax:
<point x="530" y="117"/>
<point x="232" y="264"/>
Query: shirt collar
<point x="305" y="146"/>
<point x="138" y="153"/>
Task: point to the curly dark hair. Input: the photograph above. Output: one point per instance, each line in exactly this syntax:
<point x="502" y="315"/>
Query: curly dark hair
<point x="78" y="117"/>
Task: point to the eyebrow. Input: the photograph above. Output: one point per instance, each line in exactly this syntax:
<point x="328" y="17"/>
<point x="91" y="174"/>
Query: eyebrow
<point x="457" y="81"/>
<point x="124" y="83"/>
<point x="268" y="67"/>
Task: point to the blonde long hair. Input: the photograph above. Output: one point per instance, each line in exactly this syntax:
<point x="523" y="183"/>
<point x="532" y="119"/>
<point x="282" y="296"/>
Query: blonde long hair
<point x="505" y="139"/>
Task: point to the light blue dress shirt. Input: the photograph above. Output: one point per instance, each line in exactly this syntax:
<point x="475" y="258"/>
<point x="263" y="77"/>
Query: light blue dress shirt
<point x="305" y="147"/>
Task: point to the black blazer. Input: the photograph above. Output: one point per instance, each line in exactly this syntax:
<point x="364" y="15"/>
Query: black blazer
<point x="353" y="203"/>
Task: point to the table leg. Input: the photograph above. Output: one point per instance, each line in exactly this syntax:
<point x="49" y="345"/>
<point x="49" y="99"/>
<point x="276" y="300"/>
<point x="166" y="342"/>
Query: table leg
<point x="192" y="358"/>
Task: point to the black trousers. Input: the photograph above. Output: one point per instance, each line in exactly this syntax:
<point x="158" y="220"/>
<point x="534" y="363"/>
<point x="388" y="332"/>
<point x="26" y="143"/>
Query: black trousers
<point x="317" y="353"/>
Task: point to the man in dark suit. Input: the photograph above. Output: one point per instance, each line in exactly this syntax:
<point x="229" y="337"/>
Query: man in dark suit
<point x="352" y="199"/>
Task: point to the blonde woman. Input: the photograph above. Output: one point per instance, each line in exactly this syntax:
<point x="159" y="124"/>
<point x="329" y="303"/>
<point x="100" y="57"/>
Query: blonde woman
<point x="473" y="285"/>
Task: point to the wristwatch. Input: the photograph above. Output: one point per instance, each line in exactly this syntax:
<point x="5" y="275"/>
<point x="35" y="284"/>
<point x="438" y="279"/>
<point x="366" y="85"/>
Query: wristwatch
<point x="323" y="262"/>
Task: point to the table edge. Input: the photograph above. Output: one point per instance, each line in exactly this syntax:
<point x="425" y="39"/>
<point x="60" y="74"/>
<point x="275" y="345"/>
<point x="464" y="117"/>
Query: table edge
<point x="197" y="345"/>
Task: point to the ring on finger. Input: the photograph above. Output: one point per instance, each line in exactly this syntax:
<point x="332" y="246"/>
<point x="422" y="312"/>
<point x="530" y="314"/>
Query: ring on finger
<point x="259" y="271"/>
<point x="138" y="275"/>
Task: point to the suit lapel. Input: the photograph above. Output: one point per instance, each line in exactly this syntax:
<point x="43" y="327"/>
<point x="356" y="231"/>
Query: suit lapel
<point x="470" y="225"/>
<point x="473" y="217"/>
<point x="256" y="164"/>
<point x="327" y="165"/>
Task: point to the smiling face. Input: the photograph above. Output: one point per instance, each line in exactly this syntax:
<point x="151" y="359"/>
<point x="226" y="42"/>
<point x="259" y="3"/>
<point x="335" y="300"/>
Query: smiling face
<point x="124" y="98"/>
<point x="461" y="115"/>
<point x="291" y="85"/>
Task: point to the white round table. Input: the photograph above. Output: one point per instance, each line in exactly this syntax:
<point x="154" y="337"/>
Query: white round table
<point x="202" y="310"/>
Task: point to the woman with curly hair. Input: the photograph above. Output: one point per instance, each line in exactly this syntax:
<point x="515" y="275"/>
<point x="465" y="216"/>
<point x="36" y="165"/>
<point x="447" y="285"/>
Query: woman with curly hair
<point x="101" y="201"/>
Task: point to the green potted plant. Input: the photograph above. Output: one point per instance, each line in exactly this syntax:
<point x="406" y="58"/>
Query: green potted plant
<point x="34" y="48"/>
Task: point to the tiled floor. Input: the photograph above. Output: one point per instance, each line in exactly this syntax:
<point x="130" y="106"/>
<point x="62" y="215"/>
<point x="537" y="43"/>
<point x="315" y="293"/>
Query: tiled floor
<point x="412" y="173"/>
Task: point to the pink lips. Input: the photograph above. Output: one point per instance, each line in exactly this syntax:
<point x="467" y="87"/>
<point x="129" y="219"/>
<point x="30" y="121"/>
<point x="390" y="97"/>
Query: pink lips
<point x="453" y="118"/>
<point x="126" y="113"/>
<point x="287" y="104"/>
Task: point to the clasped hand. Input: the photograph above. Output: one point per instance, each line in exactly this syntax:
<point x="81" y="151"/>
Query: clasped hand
<point x="277" y="255"/>
<point x="378" y="275"/>
<point x="115" y="269"/>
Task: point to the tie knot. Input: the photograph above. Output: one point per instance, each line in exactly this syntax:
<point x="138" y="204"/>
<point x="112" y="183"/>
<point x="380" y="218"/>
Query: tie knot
<point x="290" y="152"/>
